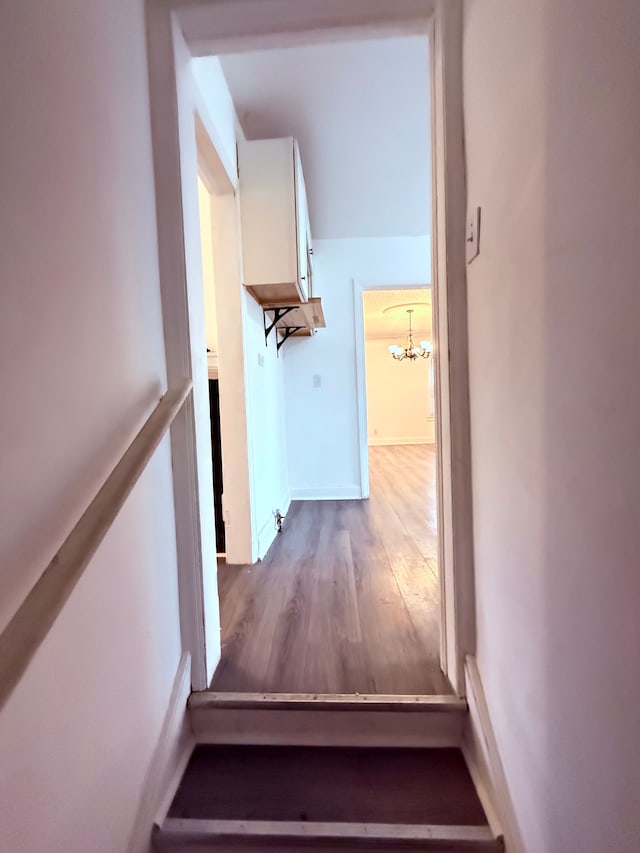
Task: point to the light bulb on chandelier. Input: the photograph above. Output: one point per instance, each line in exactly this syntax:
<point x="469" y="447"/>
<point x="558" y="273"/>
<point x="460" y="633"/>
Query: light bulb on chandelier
<point x="410" y="350"/>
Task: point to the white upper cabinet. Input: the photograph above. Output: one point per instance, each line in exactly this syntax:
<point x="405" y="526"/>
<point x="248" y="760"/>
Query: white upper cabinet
<point x="276" y="238"/>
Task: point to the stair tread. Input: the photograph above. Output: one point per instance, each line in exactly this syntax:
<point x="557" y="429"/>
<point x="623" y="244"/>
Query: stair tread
<point x="363" y="703"/>
<point x="199" y="836"/>
<point x="329" y="784"/>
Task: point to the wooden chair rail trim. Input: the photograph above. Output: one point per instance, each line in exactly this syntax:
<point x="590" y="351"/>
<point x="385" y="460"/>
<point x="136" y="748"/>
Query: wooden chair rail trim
<point x="34" y="618"/>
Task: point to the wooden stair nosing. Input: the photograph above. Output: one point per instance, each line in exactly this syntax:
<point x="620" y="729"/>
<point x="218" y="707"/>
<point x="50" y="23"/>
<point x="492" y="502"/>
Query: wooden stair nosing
<point x="327" y="720"/>
<point x="359" y="702"/>
<point x="177" y="834"/>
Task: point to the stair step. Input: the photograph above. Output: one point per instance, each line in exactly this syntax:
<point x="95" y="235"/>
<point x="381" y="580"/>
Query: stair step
<point x="200" y="836"/>
<point x="327" y="720"/>
<point x="325" y="798"/>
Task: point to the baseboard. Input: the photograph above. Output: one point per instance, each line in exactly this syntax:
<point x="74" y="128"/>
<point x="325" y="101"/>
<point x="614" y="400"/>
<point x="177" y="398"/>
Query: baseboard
<point x="384" y="442"/>
<point x="168" y="763"/>
<point x="480" y="750"/>
<point x="327" y="493"/>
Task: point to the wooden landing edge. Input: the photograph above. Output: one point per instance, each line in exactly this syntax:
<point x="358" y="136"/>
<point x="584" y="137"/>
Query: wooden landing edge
<point x="316" y="725"/>
<point x="328" y="702"/>
<point x="180" y="830"/>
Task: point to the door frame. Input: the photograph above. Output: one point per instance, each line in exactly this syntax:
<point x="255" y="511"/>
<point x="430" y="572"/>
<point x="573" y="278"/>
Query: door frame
<point x="359" y="288"/>
<point x="238" y="501"/>
<point x="451" y="350"/>
<point x="218" y="26"/>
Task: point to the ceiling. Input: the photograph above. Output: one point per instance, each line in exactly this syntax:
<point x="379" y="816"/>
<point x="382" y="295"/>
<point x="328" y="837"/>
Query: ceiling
<point x="385" y="314"/>
<point x="360" y="112"/>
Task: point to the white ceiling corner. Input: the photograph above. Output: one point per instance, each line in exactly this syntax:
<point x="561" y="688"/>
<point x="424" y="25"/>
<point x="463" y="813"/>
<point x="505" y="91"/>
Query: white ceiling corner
<point x="360" y="111"/>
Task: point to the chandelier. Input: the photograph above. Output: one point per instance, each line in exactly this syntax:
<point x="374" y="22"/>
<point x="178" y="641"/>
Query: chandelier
<point x="411" y="351"/>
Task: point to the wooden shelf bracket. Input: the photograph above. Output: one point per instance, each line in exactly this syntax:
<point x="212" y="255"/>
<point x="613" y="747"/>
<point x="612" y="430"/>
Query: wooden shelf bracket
<point x="300" y="319"/>
<point x="278" y="314"/>
<point x="287" y="332"/>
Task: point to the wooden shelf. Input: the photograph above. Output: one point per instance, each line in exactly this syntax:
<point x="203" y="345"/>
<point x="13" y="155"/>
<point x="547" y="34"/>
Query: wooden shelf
<point x="308" y="315"/>
<point x="276" y="295"/>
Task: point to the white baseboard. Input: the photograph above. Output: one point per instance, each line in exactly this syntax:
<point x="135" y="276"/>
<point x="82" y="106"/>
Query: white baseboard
<point x="384" y="442"/>
<point x="480" y="750"/>
<point x="168" y="763"/>
<point x="327" y="493"/>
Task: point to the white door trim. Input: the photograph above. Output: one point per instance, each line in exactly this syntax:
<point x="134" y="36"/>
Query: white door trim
<point x="451" y="356"/>
<point x="163" y="91"/>
<point x="270" y="23"/>
<point x="361" y="387"/>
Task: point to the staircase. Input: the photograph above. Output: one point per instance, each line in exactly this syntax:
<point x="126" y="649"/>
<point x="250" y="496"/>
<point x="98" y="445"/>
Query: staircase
<point x="310" y="773"/>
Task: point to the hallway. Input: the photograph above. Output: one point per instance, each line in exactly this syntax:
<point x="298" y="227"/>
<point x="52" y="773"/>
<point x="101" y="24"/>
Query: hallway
<point x="347" y="600"/>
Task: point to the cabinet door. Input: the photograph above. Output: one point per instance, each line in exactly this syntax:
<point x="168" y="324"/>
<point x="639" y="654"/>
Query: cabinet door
<point x="302" y="224"/>
<point x="268" y="216"/>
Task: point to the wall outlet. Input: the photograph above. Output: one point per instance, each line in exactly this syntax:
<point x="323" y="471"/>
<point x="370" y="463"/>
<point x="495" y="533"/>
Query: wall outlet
<point x="317" y="380"/>
<point x="473" y="235"/>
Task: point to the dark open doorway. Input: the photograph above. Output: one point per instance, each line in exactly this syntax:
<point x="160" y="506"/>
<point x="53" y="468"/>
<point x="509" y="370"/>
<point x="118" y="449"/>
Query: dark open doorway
<point x="216" y="449"/>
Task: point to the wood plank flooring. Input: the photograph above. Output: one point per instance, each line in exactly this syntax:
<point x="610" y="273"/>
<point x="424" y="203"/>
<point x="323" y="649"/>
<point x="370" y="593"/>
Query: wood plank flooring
<point x="347" y="599"/>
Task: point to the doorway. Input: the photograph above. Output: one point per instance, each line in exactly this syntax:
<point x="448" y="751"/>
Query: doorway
<point x="394" y="340"/>
<point x="448" y="264"/>
<point x="399" y="383"/>
<point x="212" y="342"/>
<point x="399" y="435"/>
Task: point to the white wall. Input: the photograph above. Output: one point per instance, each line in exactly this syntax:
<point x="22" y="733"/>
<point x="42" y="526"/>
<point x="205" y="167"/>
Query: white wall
<point x="553" y="142"/>
<point x="251" y="375"/>
<point x="322" y="423"/>
<point x="81" y="364"/>
<point x="360" y="112"/>
<point x="399" y="397"/>
<point x="214" y="101"/>
<point x="268" y="429"/>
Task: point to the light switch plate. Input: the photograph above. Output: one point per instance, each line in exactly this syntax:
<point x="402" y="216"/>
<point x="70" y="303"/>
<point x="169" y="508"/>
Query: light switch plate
<point x="473" y="235"/>
<point x="317" y="380"/>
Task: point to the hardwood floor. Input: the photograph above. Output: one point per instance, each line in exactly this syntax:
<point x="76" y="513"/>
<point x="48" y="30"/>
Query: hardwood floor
<point x="347" y="599"/>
